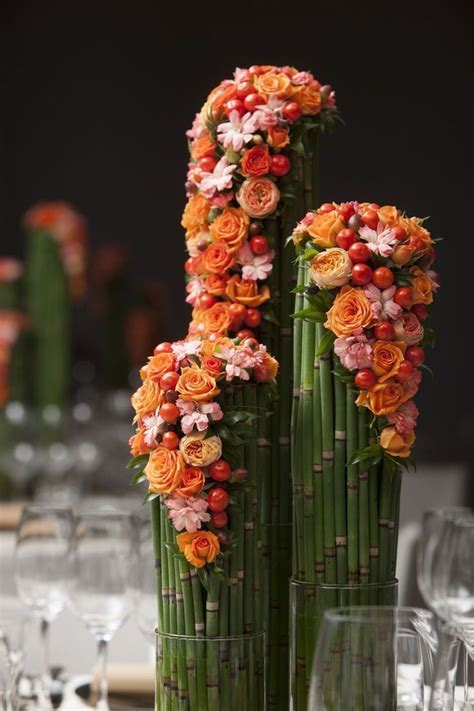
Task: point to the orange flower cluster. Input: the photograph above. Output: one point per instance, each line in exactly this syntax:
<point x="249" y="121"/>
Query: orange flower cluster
<point x="11" y="324"/>
<point x="239" y="147"/>
<point x="374" y="266"/>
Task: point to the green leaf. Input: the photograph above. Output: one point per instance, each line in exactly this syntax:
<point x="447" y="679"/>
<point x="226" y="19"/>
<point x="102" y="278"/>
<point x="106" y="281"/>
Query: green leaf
<point x="203" y="577"/>
<point x="298" y="147"/>
<point x="150" y="497"/>
<point x="300" y="289"/>
<point x="269" y="315"/>
<point x="311" y="314"/>
<point x="362" y="455"/>
<point x="429" y="337"/>
<point x="138" y="461"/>
<point x="427" y="368"/>
<point x="325" y="343"/>
<point x="137" y="478"/>
<point x="288" y="240"/>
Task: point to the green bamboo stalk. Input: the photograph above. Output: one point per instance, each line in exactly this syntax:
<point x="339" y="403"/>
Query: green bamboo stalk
<point x="155" y="511"/>
<point x="191" y="664"/>
<point x="212" y="657"/>
<point x="383" y="522"/>
<point x="319" y="563"/>
<point x="250" y="404"/>
<point x="173" y="611"/>
<point x="305" y="419"/>
<point x="199" y="627"/>
<point x="340" y="460"/>
<point x="352" y="489"/>
<point x="166" y="658"/>
<point x="373" y="520"/>
<point x="392" y="523"/>
<point x="182" y="683"/>
<point x="298" y="564"/>
<point x="363" y="435"/>
<point x="239" y="517"/>
<point x="396" y="525"/>
<point x="327" y="426"/>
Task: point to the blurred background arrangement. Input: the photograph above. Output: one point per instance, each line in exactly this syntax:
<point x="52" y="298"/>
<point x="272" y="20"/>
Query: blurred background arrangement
<point x="96" y="102"/>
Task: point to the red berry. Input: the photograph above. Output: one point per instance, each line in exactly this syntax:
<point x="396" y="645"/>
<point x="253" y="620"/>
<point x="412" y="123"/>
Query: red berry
<point x="370" y="218"/>
<point x="384" y="331"/>
<point x="235" y="105"/>
<point x="172" y="395"/>
<point x="255" y="70"/>
<point x="244" y="88"/>
<point x="168" y="380"/>
<point x="345" y="238"/>
<point x="420" y="310"/>
<point x="359" y="252"/>
<point x="361" y="274"/>
<point x="252" y="318"/>
<point x="164" y="347"/>
<point x="399" y="233"/>
<point x="244" y="334"/>
<point x="207" y="164"/>
<point x="219" y="470"/>
<point x="382" y="277"/>
<point x="326" y="207"/>
<point x="219" y="519"/>
<point x="170" y="440"/>
<point x="415" y="355"/>
<point x="280" y="164"/>
<point x="365" y="378"/>
<point x="258" y="244"/>
<point x="291" y="111"/>
<point x="403" y="296"/>
<point x="206" y="300"/>
<point x="251" y="343"/>
<point x="191" y="266"/>
<point x="405" y="371"/>
<point x="346" y="210"/>
<point x="169" y="412"/>
<point x="251" y="102"/>
<point x="237" y="312"/>
<point x="217" y="499"/>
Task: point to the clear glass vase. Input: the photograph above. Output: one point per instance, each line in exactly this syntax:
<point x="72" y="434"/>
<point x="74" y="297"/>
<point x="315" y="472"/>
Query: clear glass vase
<point x="210" y="674"/>
<point x="308" y="602"/>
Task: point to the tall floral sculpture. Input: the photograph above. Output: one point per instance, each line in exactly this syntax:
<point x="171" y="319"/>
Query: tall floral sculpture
<point x="199" y="412"/>
<point x="55" y="276"/>
<point x="365" y="285"/>
<point x="253" y="173"/>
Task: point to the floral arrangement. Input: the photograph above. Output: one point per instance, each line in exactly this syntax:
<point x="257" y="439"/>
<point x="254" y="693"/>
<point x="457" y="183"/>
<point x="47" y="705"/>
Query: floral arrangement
<point x="199" y="443"/>
<point x="240" y="146"/>
<point x="12" y="323"/>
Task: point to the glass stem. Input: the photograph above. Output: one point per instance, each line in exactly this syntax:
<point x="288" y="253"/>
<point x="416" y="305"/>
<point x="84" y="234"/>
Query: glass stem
<point x="45" y="680"/>
<point x="102" y="703"/>
<point x="467" y="696"/>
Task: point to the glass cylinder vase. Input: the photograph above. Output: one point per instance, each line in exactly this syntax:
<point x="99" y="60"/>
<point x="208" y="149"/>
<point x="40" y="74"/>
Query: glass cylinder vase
<point x="308" y="602"/>
<point x="210" y="674"/>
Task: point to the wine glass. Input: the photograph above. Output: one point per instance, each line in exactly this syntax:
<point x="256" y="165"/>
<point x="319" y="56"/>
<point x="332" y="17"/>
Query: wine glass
<point x="102" y="591"/>
<point x="43" y="573"/>
<point x="146" y="608"/>
<point x="14" y="622"/>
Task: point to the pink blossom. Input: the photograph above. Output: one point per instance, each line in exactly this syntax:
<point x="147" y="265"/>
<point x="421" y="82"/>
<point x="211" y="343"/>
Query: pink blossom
<point x="303" y="224"/>
<point x="221" y="200"/>
<point x="220" y="179"/>
<point x="197" y="129"/>
<point x="194" y="176"/>
<point x="382" y="303"/>
<point x="413" y="382"/>
<point x="183" y="349"/>
<point x="302" y="78"/>
<point x="237" y="131"/>
<point x="194" y="419"/>
<point x="241" y="75"/>
<point x="354" y="351"/>
<point x="269" y="114"/>
<point x="255" y="266"/>
<point x="153" y="425"/>
<point x="188" y="513"/>
<point x="239" y="361"/>
<point x="433" y="277"/>
<point x="194" y="289"/>
<point x="331" y="100"/>
<point x="380" y="241"/>
<point x="213" y="410"/>
<point x="194" y="415"/>
<point x="404" y="418"/>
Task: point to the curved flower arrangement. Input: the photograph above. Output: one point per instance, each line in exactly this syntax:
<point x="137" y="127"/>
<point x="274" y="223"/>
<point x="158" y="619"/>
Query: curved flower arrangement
<point x="238" y="180"/>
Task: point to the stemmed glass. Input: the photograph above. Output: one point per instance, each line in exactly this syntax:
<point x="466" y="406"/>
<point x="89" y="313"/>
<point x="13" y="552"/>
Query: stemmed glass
<point x="43" y="573"/>
<point x="146" y="608"/>
<point x="102" y="591"/>
<point x="14" y="623"/>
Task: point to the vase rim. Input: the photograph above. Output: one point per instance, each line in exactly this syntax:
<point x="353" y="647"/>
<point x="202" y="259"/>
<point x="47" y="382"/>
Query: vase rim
<point x="192" y="638"/>
<point x="344" y="586"/>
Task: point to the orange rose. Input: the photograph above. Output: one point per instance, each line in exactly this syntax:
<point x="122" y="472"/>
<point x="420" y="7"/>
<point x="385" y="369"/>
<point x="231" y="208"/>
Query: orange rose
<point x="309" y="100"/>
<point x="195" y="214"/>
<point x="231" y="226"/>
<point x="158" y="365"/>
<point x="199" y="450"/>
<point x="196" y="384"/>
<point x="422" y="288"/>
<point x="216" y="284"/>
<point x="325" y="227"/>
<point x="414" y="228"/>
<point x="402" y="254"/>
<point x="192" y="482"/>
<point x="258" y="197"/>
<point x="351" y="310"/>
<point x="277" y="137"/>
<point x="386" y="358"/>
<point x="216" y="320"/>
<point x="212" y="365"/>
<point x="220" y="96"/>
<point x="138" y="445"/>
<point x="246" y="292"/>
<point x="384" y="398"/>
<point x="217" y="258"/>
<point x="273" y="84"/>
<point x="267" y="370"/>
<point x="255" y="162"/>
<point x="164" y="470"/>
<point x="147" y="398"/>
<point x="203" y="146"/>
<point x="199" y="548"/>
<point x="388" y="214"/>
<point x="395" y="444"/>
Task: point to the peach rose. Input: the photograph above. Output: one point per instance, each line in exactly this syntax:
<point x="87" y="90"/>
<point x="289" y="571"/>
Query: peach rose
<point x="195" y="214"/>
<point x="422" y="288"/>
<point x="138" y="445"/>
<point x="325" y="227"/>
<point x="255" y="162"/>
<point x="192" y="482"/>
<point x="395" y="444"/>
<point x="197" y="385"/>
<point x="386" y="358"/>
<point x="199" y="548"/>
<point x="216" y="320"/>
<point x="203" y="146"/>
<point x="402" y="254"/>
<point x="408" y="328"/>
<point x="199" y="451"/>
<point x="414" y="228"/>
<point x="331" y="268"/>
<point x="258" y="197"/>
<point x="231" y="227"/>
<point x="384" y="398"/>
<point x="309" y="99"/>
<point x="147" y="397"/>
<point x="388" y="214"/>
<point x="164" y="470"/>
<point x="212" y="365"/>
<point x="217" y="258"/>
<point x="209" y="348"/>
<point x="158" y="365"/>
<point x="267" y="370"/>
<point x="216" y="284"/>
<point x="246" y="292"/>
<point x="277" y="137"/>
<point x="350" y="311"/>
<point x="273" y="84"/>
<point x="217" y="99"/>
